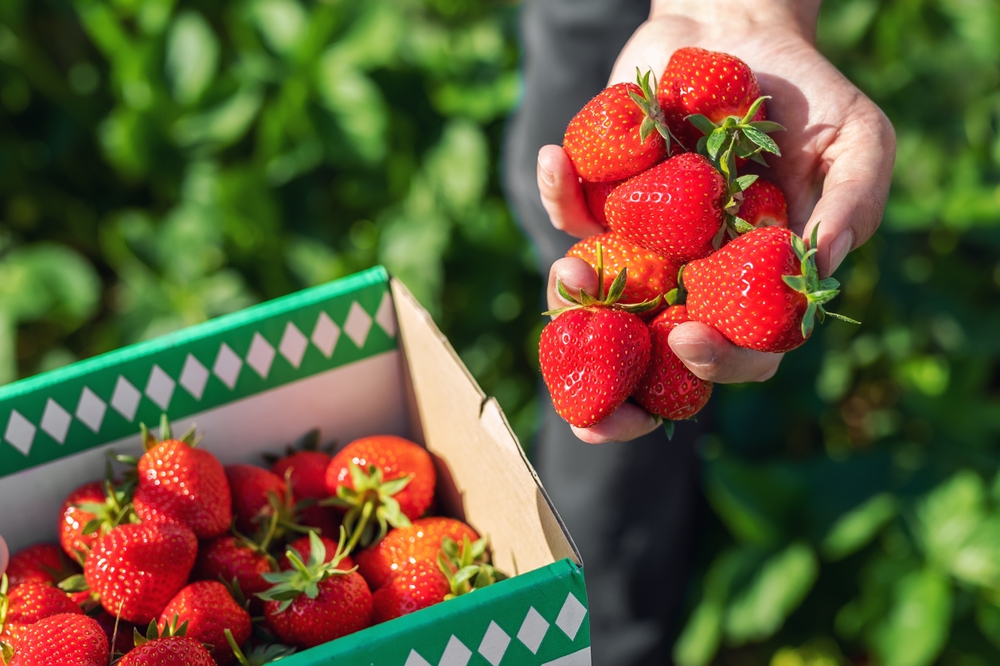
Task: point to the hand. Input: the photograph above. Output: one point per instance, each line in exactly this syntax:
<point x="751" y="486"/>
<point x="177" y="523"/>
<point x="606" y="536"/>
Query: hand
<point x="836" y="164"/>
<point x="4" y="555"/>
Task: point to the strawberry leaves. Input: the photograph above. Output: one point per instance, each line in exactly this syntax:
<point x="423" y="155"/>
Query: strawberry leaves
<point x="817" y="292"/>
<point x="736" y="137"/>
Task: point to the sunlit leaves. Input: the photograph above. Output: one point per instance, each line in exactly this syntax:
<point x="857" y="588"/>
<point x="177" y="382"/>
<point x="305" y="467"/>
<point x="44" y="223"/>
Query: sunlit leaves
<point x="191" y="57"/>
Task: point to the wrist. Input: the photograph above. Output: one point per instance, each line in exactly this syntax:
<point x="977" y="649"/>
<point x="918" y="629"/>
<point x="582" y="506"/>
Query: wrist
<point x="797" y="15"/>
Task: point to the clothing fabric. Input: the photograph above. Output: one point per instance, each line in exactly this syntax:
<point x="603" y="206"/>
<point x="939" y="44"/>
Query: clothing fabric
<point x="630" y="506"/>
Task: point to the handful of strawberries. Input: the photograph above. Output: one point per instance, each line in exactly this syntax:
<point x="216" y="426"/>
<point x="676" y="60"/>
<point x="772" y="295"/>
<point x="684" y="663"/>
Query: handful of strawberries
<point x="689" y="240"/>
<point x="189" y="561"/>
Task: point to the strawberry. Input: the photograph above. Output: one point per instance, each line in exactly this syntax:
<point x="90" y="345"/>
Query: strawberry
<point x="315" y="601"/>
<point x="28" y="603"/>
<point x="120" y="638"/>
<point x="303" y="545"/>
<point x="594" y="352"/>
<point x="229" y="558"/>
<point x="91" y="510"/>
<point x="761" y="290"/>
<point x="137" y="569"/>
<point x="179" y="483"/>
<point x="420" y="541"/>
<point x="168" y="651"/>
<point x="40" y="563"/>
<point x="384" y="477"/>
<point x="717" y="95"/>
<point x="417" y="585"/>
<point x="668" y="388"/>
<point x="306" y="472"/>
<point x="763" y="205"/>
<point x="60" y="640"/>
<point x="596" y="195"/>
<point x="208" y="610"/>
<point x="258" y="494"/>
<point x="674" y="209"/>
<point x="617" y="134"/>
<point x="649" y="275"/>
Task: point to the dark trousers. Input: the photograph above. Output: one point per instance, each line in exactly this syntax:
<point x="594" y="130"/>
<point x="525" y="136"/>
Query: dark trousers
<point x="629" y="506"/>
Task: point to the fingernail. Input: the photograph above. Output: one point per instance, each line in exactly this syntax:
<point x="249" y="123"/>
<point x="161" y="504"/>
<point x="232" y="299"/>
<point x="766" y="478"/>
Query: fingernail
<point x="839" y="249"/>
<point x="547" y="176"/>
<point x="694" y="352"/>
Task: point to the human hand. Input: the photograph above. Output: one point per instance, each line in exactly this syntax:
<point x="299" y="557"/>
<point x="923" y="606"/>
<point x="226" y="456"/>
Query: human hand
<point x="837" y="155"/>
<point x="4" y="555"/>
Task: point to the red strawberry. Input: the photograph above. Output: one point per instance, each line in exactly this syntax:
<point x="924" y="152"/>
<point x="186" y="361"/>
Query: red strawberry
<point x="761" y="290"/>
<point x="208" y="609"/>
<point x="402" y="546"/>
<point x="394" y="475"/>
<point x="302" y="546"/>
<point x="669" y="389"/>
<point x="28" y="603"/>
<point x="596" y="194"/>
<point x="257" y="494"/>
<point x="675" y="209"/>
<point x="315" y="602"/>
<point x="306" y="472"/>
<point x="74" y="519"/>
<point x="712" y="84"/>
<point x="120" y="640"/>
<point x="594" y="352"/>
<point x="415" y="586"/>
<point x="137" y="569"/>
<point x="169" y="651"/>
<point x="227" y="558"/>
<point x="179" y="483"/>
<point x="40" y="563"/>
<point x="649" y="275"/>
<point x="617" y="134"/>
<point x="764" y="205"/>
<point x="61" y="640"/>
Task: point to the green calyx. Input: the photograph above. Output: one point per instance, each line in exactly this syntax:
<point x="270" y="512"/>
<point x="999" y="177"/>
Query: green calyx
<point x="370" y="504"/>
<point x="736" y="137"/>
<point x="646" y="101"/>
<point x="153" y="632"/>
<point x="817" y="292"/>
<point x="260" y="654"/>
<point x="149" y="440"/>
<point x="305" y="575"/>
<point x="610" y="300"/>
<point x="466" y="566"/>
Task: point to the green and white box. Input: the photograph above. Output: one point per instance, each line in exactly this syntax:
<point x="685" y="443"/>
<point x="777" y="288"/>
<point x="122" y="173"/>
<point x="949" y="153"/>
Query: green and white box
<point x="354" y="357"/>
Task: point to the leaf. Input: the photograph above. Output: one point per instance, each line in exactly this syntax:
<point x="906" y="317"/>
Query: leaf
<point x="222" y="125"/>
<point x="705" y="125"/>
<point x="281" y="22"/>
<point x="754" y="501"/>
<point x="191" y="58"/>
<point x="856" y="528"/>
<point x="356" y="104"/>
<point x="777" y="589"/>
<point x="915" y="629"/>
<point x="762" y="140"/>
<point x="949" y="515"/>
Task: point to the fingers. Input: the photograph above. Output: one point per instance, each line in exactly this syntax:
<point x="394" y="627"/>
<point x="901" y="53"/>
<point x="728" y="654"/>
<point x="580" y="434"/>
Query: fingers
<point x="4" y="555"/>
<point x="575" y="274"/>
<point x="710" y="356"/>
<point x="562" y="194"/>
<point x="856" y="186"/>
<point x="626" y="423"/>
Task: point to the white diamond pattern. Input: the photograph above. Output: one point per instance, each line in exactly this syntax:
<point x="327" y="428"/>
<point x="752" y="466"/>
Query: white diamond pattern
<point x="358" y="324"/>
<point x="125" y="398"/>
<point x="293" y="345"/>
<point x="416" y="660"/>
<point x="227" y="366"/>
<point x="325" y="334"/>
<point x="55" y="421"/>
<point x="194" y="376"/>
<point x="20" y="432"/>
<point x="261" y="355"/>
<point x="386" y="315"/>
<point x="494" y="644"/>
<point x="90" y="410"/>
<point x="160" y="387"/>
<point x="571" y="616"/>
<point x="455" y="654"/>
<point x="533" y="630"/>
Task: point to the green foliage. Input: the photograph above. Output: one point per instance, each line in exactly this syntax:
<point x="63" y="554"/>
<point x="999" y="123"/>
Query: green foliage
<point x="167" y="161"/>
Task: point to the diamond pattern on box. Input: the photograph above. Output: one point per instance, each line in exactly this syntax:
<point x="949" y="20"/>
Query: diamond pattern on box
<point x="194" y="376"/>
<point x="160" y="387"/>
<point x="261" y="355"/>
<point x="20" y="432"/>
<point x="494" y="644"/>
<point x="416" y="660"/>
<point x="125" y="398"/>
<point x="90" y="410"/>
<point x="578" y="658"/>
<point x="293" y="345"/>
<point x="455" y="654"/>
<point x="358" y="324"/>
<point x="386" y="315"/>
<point x="325" y="334"/>
<point x="571" y="616"/>
<point x="227" y="366"/>
<point x="532" y="630"/>
<point x="55" y="421"/>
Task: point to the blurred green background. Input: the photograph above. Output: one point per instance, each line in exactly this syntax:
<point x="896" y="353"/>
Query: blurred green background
<point x="163" y="162"/>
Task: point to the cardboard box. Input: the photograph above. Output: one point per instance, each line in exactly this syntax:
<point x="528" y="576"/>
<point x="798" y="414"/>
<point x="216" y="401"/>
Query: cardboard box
<point x="355" y="357"/>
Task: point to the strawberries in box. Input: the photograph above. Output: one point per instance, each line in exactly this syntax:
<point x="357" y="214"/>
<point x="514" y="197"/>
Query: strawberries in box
<point x="353" y="358"/>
